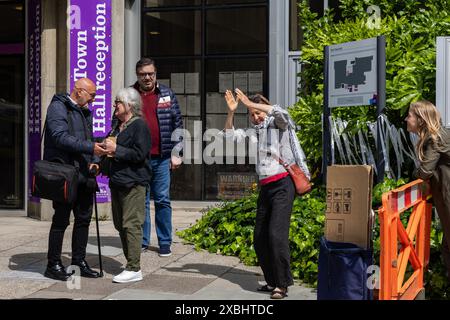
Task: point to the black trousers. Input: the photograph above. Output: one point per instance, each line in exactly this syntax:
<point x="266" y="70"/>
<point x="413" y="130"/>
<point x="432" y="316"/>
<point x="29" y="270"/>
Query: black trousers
<point x="443" y="210"/>
<point x="271" y="237"/>
<point x="82" y="211"/>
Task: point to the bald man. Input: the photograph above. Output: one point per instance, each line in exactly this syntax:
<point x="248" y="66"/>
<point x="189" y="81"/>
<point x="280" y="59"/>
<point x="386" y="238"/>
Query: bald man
<point x="69" y="139"/>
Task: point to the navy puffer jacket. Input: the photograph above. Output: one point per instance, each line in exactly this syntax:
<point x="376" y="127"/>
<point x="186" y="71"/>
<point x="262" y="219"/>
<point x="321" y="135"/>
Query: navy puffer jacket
<point x="73" y="146"/>
<point x="169" y="119"/>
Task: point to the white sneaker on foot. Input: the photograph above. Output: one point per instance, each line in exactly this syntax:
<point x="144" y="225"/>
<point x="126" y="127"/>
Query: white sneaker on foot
<point x="128" y="276"/>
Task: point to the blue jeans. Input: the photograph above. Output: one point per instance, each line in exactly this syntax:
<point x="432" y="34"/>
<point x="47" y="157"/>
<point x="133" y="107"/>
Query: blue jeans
<point x="160" y="191"/>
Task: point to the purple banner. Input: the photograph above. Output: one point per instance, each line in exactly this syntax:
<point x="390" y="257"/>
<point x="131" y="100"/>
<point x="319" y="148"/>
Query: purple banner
<point x="34" y="89"/>
<point x="90" y="57"/>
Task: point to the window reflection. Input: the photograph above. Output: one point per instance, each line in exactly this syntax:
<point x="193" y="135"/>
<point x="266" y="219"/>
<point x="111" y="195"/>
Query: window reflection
<point x="242" y="30"/>
<point x="199" y="64"/>
<point x="12" y="26"/>
<point x="183" y="77"/>
<point x="11" y="132"/>
<point x="172" y="33"/>
<point x="171" y="3"/>
<point x="234" y="1"/>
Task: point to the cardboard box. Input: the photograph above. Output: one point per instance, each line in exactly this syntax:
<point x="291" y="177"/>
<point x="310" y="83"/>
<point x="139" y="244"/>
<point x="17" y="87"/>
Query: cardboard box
<point x="349" y="204"/>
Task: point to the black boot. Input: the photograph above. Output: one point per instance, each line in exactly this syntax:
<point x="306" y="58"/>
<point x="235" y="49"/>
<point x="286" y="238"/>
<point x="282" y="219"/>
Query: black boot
<point x="85" y="270"/>
<point x="56" y="271"/>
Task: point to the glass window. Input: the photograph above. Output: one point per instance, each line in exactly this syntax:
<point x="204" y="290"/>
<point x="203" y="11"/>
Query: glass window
<point x="183" y="77"/>
<point x="199" y="64"/>
<point x="186" y="182"/>
<point x="229" y="181"/>
<point x="233" y="174"/>
<point x="242" y="30"/>
<point x="249" y="74"/>
<point x="171" y="3"/>
<point x="12" y="157"/>
<point x="172" y="33"/>
<point x="317" y="7"/>
<point x="294" y="26"/>
<point x="12" y="26"/>
<point x="234" y="1"/>
<point x="11" y="132"/>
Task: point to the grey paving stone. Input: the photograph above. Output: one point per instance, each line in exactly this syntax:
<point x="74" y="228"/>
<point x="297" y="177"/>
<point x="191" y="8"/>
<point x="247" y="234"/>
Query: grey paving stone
<point x="88" y="286"/>
<point x="47" y="294"/>
<point x="139" y="294"/>
<point x="18" y="288"/>
<point x="200" y="264"/>
<point x="173" y="284"/>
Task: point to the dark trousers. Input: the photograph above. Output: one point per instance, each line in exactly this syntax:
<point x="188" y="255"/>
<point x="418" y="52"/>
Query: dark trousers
<point x="82" y="211"/>
<point x="271" y="237"/>
<point x="443" y="210"/>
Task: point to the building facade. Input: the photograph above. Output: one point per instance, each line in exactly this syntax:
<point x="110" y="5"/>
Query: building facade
<point x="201" y="48"/>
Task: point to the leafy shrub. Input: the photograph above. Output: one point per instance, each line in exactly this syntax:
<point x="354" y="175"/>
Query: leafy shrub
<point x="410" y="28"/>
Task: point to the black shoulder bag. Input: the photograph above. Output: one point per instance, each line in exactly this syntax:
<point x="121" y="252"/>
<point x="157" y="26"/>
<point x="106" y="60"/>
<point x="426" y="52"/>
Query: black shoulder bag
<point x="55" y="180"/>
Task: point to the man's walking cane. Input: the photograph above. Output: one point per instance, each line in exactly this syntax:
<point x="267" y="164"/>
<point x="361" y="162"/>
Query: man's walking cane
<point x="98" y="234"/>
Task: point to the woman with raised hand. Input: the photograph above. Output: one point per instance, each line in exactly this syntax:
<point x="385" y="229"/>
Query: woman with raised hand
<point x="277" y="191"/>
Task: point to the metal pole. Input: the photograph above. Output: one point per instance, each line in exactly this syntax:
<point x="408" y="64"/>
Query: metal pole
<point x="326" y="134"/>
<point x="98" y="236"/>
<point x="381" y="102"/>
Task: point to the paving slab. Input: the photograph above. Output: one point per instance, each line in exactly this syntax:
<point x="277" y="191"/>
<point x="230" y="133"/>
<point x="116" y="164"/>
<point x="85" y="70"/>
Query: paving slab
<point x="14" y="288"/>
<point x="172" y="284"/>
<point x="240" y="286"/>
<point x="200" y="264"/>
<point x="139" y="294"/>
<point x="47" y="294"/>
<point x="88" y="286"/>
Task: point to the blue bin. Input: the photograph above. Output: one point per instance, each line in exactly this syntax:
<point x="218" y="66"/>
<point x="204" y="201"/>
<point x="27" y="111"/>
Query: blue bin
<point x="343" y="271"/>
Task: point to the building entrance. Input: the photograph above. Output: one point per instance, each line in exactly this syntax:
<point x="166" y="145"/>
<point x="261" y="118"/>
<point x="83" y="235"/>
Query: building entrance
<point x="12" y="105"/>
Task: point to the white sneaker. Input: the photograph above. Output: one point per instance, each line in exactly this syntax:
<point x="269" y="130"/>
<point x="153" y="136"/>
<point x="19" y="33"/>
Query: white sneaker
<point x="128" y="276"/>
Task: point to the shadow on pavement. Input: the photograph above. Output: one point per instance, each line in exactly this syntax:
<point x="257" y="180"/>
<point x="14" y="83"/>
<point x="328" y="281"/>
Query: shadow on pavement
<point x="36" y="262"/>
<point x="245" y="279"/>
<point x="106" y="241"/>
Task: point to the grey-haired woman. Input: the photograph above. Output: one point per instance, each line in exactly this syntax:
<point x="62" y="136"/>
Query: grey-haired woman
<point x="129" y="175"/>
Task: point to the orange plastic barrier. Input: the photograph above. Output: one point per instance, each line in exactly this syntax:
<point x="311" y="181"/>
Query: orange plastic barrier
<point x="398" y="246"/>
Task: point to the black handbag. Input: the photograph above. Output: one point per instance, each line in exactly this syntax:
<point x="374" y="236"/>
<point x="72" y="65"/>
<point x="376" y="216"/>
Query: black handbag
<point x="55" y="181"/>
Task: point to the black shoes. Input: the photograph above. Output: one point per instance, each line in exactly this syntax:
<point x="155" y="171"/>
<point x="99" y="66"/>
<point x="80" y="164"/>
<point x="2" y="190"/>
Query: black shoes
<point x="57" y="271"/>
<point x="85" y="270"/>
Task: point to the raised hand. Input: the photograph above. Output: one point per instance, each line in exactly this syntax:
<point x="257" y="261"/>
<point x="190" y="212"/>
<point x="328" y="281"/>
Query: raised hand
<point x="232" y="103"/>
<point x="241" y="96"/>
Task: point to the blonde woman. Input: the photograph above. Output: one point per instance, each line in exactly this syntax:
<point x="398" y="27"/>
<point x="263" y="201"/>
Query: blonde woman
<point x="433" y="152"/>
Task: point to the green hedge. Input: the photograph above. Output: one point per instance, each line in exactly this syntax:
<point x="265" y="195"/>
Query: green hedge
<point x="410" y="28"/>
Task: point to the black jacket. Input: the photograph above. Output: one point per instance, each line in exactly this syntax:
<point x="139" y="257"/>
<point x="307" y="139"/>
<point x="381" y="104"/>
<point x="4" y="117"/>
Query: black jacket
<point x="131" y="164"/>
<point x="72" y="145"/>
